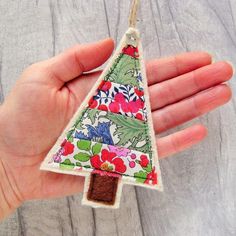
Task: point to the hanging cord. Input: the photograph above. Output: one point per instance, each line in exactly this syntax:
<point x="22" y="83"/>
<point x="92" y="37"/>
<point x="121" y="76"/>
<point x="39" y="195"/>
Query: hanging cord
<point x="133" y="13"/>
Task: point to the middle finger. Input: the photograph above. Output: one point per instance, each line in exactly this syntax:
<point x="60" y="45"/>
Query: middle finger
<point x="181" y="87"/>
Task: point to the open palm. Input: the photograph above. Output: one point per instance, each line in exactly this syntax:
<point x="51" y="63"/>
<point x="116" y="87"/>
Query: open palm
<point x="48" y="93"/>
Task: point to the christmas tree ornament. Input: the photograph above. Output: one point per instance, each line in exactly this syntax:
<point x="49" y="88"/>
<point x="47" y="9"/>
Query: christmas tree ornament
<point x="110" y="139"/>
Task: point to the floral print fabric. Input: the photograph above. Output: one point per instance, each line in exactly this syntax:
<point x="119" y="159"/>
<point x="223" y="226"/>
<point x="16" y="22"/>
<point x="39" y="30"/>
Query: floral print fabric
<point x="84" y="154"/>
<point x="113" y="129"/>
<point x="123" y="99"/>
<point x="111" y="133"/>
<point x="125" y="70"/>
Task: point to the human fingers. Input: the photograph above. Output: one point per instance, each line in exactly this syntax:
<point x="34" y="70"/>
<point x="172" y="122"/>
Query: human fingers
<point x="180" y="140"/>
<point x="162" y="69"/>
<point x="176" y="89"/>
<point x="190" y="108"/>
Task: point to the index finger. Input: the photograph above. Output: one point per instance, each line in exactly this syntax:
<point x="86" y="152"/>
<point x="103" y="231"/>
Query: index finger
<point x="162" y="69"/>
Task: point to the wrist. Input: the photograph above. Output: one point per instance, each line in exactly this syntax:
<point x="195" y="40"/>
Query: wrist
<point x="9" y="197"/>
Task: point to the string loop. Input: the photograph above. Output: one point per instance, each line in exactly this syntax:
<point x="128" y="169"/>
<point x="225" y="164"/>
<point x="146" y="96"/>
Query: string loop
<point x="133" y="13"/>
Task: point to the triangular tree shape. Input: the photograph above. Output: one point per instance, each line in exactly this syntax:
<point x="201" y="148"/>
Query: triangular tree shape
<point x="111" y="136"/>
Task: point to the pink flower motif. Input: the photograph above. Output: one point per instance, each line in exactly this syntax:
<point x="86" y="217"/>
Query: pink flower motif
<point x="133" y="156"/>
<point x="114" y="107"/>
<point x="119" y="97"/>
<point x="132" y="164"/>
<point x="119" y="151"/>
<point x="133" y="106"/>
<point x="56" y="158"/>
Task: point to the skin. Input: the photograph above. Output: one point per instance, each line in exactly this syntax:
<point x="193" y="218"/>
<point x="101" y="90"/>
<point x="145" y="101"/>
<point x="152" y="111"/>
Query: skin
<point x="48" y="93"/>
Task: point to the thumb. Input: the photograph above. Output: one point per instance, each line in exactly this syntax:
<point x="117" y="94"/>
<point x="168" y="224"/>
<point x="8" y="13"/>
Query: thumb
<point x="76" y="60"/>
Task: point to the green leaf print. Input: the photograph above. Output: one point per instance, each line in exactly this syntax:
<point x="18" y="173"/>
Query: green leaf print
<point x="148" y="168"/>
<point x="146" y="148"/>
<point x="70" y="139"/>
<point x="96" y="148"/>
<point x="125" y="70"/>
<point x="140" y="176"/>
<point x="128" y="130"/>
<point x="78" y="123"/>
<point x="82" y="157"/>
<point x="84" y="145"/>
<point x="87" y="166"/>
<point x="67" y="164"/>
<point x="69" y="134"/>
<point x="131" y="130"/>
<point x="92" y="115"/>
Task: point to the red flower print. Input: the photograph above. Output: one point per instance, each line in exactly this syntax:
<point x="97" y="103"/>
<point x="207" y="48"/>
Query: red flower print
<point x="100" y="85"/>
<point x="92" y="103"/>
<point x="140" y="93"/>
<point x="139" y="103"/>
<point x="106" y="85"/>
<point x="139" y="116"/>
<point x="144" y="161"/>
<point x="102" y="107"/>
<point x="108" y="161"/>
<point x="133" y="106"/>
<point x="151" y="177"/>
<point x="125" y="107"/>
<point x="131" y="51"/>
<point x="119" y="97"/>
<point x="114" y="107"/>
<point x="68" y="148"/>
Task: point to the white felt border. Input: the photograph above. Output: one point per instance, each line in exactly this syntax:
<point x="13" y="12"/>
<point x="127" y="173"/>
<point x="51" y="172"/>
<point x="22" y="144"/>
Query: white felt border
<point x="155" y="159"/>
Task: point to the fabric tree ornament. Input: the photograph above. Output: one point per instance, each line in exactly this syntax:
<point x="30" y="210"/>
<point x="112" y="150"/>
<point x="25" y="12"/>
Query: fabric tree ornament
<point x="110" y="140"/>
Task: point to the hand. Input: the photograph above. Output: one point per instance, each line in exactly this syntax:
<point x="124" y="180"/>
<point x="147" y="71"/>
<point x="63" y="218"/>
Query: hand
<point x="48" y="93"/>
